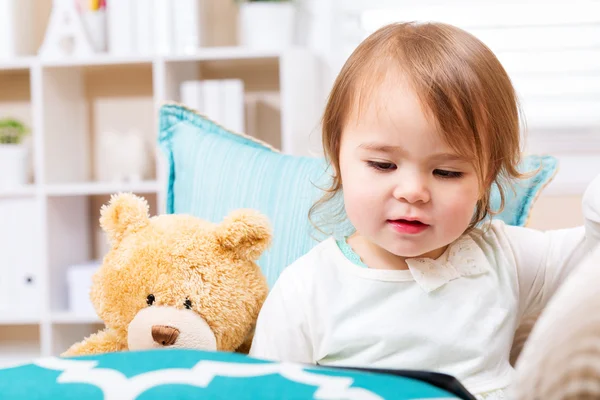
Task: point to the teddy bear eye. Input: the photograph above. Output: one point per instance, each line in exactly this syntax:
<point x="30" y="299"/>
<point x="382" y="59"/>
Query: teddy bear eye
<point x="150" y="299"/>
<point x="188" y="304"/>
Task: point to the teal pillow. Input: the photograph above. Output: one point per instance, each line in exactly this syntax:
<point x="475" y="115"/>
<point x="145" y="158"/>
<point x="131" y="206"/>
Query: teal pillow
<point x="213" y="171"/>
<point x="192" y="374"/>
<point x="521" y="195"/>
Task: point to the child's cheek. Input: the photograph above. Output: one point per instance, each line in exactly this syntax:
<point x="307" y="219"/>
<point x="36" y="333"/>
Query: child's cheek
<point x="459" y="201"/>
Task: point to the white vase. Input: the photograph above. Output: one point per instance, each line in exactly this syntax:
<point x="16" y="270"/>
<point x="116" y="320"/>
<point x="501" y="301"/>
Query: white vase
<point x="13" y="165"/>
<point x="266" y="25"/>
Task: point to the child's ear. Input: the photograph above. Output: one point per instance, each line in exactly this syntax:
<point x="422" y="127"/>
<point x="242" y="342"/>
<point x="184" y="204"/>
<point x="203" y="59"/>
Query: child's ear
<point x="245" y="232"/>
<point x="124" y="213"/>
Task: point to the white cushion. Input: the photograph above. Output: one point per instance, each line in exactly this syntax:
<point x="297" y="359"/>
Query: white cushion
<point x="561" y="359"/>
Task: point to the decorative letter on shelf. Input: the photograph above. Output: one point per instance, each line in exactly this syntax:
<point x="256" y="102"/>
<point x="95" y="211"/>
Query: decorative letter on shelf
<point x="65" y="35"/>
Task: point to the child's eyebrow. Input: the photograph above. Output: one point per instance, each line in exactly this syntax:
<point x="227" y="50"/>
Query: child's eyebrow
<point x="447" y="157"/>
<point x="380" y="147"/>
<point x="386" y="148"/>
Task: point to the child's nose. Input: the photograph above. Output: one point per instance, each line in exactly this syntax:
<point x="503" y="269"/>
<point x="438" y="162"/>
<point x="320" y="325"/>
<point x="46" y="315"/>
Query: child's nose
<point x="412" y="190"/>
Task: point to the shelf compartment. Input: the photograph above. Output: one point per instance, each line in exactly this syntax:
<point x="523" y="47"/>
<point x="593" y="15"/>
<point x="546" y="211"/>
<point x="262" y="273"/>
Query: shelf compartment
<point x="69" y="226"/>
<point x="283" y="94"/>
<point x="261" y="82"/>
<point x="15" y="102"/>
<point x="90" y="117"/>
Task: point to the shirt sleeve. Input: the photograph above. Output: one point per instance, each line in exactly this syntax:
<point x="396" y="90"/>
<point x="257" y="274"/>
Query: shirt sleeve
<point x="544" y="259"/>
<point x="281" y="332"/>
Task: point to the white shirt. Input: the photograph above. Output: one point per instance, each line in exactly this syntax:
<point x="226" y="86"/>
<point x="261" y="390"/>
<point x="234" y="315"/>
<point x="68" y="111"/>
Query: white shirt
<point x="456" y="315"/>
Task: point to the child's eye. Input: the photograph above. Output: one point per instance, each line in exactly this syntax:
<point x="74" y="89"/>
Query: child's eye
<point x="381" y="166"/>
<point x="447" y="174"/>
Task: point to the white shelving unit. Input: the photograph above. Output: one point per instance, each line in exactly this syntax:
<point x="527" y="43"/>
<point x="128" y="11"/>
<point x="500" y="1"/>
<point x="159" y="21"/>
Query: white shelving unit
<point x="51" y="223"/>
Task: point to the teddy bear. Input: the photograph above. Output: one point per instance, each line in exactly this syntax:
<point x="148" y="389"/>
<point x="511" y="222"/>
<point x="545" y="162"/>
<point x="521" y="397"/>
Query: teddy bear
<point x="176" y="281"/>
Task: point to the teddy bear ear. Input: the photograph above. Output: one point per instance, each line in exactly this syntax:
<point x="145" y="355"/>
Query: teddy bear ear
<point x="124" y="213"/>
<point x="245" y="232"/>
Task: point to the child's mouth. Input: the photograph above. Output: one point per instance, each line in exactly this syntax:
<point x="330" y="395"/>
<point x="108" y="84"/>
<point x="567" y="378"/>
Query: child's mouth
<point x="408" y="226"/>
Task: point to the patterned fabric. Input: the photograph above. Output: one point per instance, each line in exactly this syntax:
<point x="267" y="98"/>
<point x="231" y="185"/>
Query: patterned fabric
<point x="349" y="253"/>
<point x="212" y="171"/>
<point x="187" y="374"/>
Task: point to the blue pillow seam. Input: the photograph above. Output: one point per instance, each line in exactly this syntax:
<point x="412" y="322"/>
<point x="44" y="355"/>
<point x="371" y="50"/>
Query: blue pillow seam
<point x="184" y="114"/>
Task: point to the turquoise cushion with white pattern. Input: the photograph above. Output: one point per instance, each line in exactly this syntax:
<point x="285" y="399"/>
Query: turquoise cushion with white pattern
<point x="192" y="374"/>
<point x="213" y="171"/>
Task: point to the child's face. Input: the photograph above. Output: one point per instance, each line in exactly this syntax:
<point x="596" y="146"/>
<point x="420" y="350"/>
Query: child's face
<point x="395" y="167"/>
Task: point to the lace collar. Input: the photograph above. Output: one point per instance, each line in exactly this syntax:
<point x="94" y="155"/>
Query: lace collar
<point x="463" y="258"/>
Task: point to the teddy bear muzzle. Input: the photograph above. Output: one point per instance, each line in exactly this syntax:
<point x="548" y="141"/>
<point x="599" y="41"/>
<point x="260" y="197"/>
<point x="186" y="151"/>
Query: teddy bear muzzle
<point x="169" y="327"/>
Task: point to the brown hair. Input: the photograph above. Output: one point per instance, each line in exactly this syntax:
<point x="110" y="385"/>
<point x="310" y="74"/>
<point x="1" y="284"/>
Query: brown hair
<point x="460" y="83"/>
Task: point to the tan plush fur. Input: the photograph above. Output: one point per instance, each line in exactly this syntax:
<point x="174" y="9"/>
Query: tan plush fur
<point x="522" y="335"/>
<point x="178" y="257"/>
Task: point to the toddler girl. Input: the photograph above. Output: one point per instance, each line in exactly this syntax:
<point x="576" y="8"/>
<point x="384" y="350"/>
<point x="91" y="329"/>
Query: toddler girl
<point x="421" y="122"/>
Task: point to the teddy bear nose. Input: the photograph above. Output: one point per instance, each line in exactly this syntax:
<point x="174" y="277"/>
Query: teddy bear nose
<point x="164" y="335"/>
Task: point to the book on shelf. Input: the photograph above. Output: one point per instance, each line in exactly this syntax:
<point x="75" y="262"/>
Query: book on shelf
<point x="221" y="100"/>
<point x="187" y="36"/>
<point x="154" y="26"/>
<point x="16" y="31"/>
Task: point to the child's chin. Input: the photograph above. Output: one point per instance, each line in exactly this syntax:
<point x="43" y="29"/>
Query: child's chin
<point x="409" y="251"/>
